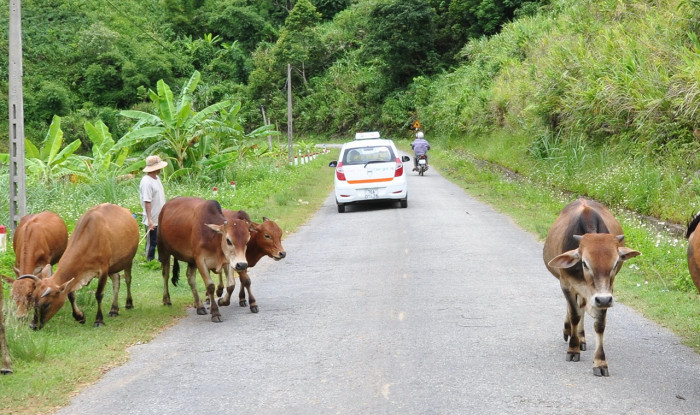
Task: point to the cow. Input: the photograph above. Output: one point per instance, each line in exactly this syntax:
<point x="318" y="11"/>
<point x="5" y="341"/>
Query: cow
<point x="194" y="230"/>
<point x="265" y="240"/>
<point x="584" y="250"/>
<point x="39" y="239"/>
<point x="694" y="250"/>
<point x="103" y="243"/>
<point x="6" y="364"/>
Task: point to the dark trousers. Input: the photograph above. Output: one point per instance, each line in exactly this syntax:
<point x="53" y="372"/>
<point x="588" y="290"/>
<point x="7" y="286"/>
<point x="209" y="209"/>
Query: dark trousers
<point x="151" y="241"/>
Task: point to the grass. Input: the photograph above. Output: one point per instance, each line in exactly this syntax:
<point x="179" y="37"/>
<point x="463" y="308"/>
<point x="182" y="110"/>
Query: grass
<point x="52" y="364"/>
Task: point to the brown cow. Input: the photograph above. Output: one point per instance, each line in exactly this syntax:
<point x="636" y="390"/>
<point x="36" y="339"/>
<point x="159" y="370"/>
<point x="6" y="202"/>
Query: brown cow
<point x="6" y="364"/>
<point x="694" y="250"/>
<point x="195" y="231"/>
<point x="585" y="250"/>
<point x="265" y="240"/>
<point x="103" y="243"/>
<point x="39" y="239"/>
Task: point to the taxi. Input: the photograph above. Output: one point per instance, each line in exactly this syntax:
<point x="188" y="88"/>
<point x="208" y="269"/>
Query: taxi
<point x="370" y="169"/>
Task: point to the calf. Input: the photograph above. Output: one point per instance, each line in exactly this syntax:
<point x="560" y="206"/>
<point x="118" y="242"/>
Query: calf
<point x="103" y="243"/>
<point x="265" y="240"/>
<point x="585" y="250"/>
<point x="195" y="231"/>
<point x="694" y="250"/>
<point x="39" y="239"/>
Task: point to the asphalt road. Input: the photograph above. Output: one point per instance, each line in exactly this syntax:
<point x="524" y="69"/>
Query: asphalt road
<point x="441" y="308"/>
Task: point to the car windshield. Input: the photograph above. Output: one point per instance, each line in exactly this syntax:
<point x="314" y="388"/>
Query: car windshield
<point x="366" y="155"/>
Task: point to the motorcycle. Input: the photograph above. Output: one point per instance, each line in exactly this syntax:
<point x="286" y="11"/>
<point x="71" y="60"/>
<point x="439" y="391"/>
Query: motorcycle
<point x="422" y="164"/>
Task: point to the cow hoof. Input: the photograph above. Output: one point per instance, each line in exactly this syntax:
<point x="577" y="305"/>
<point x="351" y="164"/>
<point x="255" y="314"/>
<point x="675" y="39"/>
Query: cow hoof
<point x="601" y="371"/>
<point x="202" y="311"/>
<point x="242" y="303"/>
<point x="223" y="303"/>
<point x="216" y="319"/>
<point x="583" y="347"/>
<point x="113" y="313"/>
<point x="253" y="308"/>
<point x="98" y="324"/>
<point x="6" y="371"/>
<point x="573" y="357"/>
<point x="129" y="306"/>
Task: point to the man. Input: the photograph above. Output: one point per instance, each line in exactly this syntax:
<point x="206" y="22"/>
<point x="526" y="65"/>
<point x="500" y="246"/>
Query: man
<point x="420" y="147"/>
<point x="152" y="197"/>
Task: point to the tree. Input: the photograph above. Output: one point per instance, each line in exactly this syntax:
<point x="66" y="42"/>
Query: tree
<point x="401" y="35"/>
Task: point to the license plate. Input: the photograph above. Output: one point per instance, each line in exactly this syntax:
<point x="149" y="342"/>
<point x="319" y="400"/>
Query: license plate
<point x="371" y="194"/>
<point x="421" y="161"/>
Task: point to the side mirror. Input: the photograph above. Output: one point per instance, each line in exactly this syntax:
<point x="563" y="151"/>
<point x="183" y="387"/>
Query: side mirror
<point x="405" y="159"/>
<point x="333" y="164"/>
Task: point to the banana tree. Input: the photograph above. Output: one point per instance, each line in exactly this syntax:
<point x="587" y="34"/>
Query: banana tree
<point x="177" y="127"/>
<point x="51" y="161"/>
<point x="104" y="160"/>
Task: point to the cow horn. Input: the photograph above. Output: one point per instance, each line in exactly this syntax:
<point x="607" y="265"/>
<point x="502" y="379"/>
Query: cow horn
<point x="620" y="238"/>
<point x="47" y="292"/>
<point x="578" y="237"/>
<point x="28" y="276"/>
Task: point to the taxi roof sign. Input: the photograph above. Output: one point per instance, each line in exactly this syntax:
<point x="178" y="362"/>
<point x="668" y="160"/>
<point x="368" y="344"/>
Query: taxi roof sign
<point x="367" y="135"/>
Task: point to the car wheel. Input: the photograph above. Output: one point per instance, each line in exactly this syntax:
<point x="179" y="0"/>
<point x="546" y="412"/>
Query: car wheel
<point x="404" y="203"/>
<point x="341" y="208"/>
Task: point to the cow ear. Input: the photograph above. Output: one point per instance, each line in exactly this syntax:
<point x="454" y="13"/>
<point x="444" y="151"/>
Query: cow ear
<point x="627" y="253"/>
<point x="17" y="273"/>
<point x="566" y="260"/>
<point x="253" y="227"/>
<point x="216" y="228"/>
<point x="65" y="285"/>
<point x="7" y="280"/>
<point x="265" y="219"/>
<point x="45" y="272"/>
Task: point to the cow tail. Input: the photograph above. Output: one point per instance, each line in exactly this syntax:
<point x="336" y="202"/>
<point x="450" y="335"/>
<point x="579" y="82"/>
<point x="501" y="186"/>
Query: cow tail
<point x="176" y="272"/>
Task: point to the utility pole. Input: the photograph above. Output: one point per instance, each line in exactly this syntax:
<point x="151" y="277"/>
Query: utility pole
<point x="289" y="113"/>
<point x="18" y="184"/>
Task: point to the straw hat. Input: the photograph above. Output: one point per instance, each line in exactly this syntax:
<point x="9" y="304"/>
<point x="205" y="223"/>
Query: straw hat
<point x="154" y="163"/>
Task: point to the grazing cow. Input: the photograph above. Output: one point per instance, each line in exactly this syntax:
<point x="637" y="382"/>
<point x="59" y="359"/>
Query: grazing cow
<point x="39" y="239"/>
<point x="694" y="250"/>
<point x="195" y="231"/>
<point x="585" y="250"/>
<point x="103" y="243"/>
<point x="265" y="240"/>
<point x="6" y="364"/>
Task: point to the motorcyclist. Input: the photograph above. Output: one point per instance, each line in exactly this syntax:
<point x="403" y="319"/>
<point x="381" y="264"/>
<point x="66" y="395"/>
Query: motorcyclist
<point x="420" y="147"/>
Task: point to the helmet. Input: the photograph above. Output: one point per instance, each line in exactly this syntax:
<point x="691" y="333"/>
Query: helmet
<point x="419" y="134"/>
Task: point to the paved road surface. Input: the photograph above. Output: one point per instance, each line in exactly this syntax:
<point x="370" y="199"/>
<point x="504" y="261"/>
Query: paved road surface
<point x="441" y="308"/>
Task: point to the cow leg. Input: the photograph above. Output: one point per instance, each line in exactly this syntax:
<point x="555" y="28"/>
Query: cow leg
<point x="573" y="354"/>
<point x="78" y="314"/>
<point x="220" y="287"/>
<point x="114" y="311"/>
<point x="600" y="365"/>
<point x="127" y="279"/>
<point x="231" y="280"/>
<point x="211" y="288"/>
<point x="99" y="293"/>
<point x="581" y="325"/>
<point x="6" y="367"/>
<point x="192" y="281"/>
<point x="245" y="286"/>
<point x="165" y="269"/>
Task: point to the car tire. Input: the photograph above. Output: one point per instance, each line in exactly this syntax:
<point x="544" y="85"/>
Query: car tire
<point x="341" y="208"/>
<point x="404" y="203"/>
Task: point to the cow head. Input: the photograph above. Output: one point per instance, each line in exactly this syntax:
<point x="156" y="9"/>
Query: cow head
<point x="601" y="256"/>
<point x="21" y="293"/>
<point x="47" y="298"/>
<point x="268" y="236"/>
<point x="234" y="239"/>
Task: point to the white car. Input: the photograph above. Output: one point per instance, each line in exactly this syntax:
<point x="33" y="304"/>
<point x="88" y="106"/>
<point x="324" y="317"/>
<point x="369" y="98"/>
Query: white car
<point x="370" y="169"/>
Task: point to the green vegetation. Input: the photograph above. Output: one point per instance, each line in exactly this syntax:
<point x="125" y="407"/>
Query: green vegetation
<point x="287" y="195"/>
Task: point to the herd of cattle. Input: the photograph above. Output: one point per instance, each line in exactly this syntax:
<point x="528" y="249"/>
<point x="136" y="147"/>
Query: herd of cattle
<point x="104" y="242"/>
<point x="584" y="250"/>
